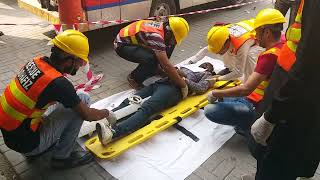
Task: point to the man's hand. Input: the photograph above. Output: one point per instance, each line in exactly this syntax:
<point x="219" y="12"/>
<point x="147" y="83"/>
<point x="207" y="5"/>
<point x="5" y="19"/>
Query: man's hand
<point x="211" y="98"/>
<point x="112" y="118"/>
<point x="211" y="81"/>
<point x="184" y="92"/>
<point x="90" y="114"/>
<point x="216" y="76"/>
<point x="181" y="73"/>
<point x="261" y="130"/>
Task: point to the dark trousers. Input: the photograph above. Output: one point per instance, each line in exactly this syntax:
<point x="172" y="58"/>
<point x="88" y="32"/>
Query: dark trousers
<point x="287" y="156"/>
<point x="145" y="57"/>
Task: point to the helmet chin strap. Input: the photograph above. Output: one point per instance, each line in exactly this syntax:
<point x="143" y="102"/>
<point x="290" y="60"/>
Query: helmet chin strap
<point x="72" y="67"/>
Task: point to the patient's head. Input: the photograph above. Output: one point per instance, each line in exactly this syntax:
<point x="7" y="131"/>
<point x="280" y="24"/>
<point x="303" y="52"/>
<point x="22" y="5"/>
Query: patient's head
<point x="208" y="66"/>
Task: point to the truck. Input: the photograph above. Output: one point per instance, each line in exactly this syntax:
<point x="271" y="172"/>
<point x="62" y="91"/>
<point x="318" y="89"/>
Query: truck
<point x="84" y="12"/>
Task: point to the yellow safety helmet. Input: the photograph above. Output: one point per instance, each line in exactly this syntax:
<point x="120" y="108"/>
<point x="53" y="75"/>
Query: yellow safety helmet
<point x="267" y="17"/>
<point x="217" y="36"/>
<point x="73" y="42"/>
<point x="179" y="27"/>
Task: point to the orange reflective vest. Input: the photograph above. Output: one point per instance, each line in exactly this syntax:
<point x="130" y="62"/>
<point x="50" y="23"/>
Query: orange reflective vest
<point x="141" y="26"/>
<point x="18" y="102"/>
<point x="257" y="95"/>
<point x="241" y="32"/>
<point x="287" y="56"/>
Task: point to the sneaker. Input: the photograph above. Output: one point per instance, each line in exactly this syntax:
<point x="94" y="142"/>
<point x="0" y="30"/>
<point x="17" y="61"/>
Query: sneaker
<point x="248" y="177"/>
<point x="77" y="158"/>
<point x="133" y="83"/>
<point x="104" y="133"/>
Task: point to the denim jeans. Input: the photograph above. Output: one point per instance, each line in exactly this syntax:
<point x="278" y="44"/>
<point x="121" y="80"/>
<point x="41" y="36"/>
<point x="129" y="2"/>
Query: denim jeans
<point x="61" y="126"/>
<point x="163" y="95"/>
<point x="145" y="57"/>
<point x="238" y="112"/>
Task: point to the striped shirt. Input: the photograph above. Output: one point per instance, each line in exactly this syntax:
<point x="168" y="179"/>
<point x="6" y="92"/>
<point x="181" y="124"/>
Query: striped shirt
<point x="153" y="41"/>
<point x="196" y="81"/>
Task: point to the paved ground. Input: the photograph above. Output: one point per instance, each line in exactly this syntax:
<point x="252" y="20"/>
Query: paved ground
<point x="21" y="43"/>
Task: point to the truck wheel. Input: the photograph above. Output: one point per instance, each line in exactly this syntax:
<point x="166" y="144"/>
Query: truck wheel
<point x="233" y="2"/>
<point x="162" y="8"/>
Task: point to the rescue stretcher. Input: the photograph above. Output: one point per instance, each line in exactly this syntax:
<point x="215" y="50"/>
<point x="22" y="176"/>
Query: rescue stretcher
<point x="164" y="120"/>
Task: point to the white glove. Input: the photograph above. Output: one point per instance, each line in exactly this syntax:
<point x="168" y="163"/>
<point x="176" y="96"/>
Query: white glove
<point x="261" y="130"/>
<point x="211" y="98"/>
<point x="112" y="119"/>
<point x="184" y="92"/>
<point x="211" y="81"/>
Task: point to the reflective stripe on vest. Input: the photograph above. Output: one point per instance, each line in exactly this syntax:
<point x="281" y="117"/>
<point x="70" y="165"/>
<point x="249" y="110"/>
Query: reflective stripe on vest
<point x="18" y="101"/>
<point x="141" y="26"/>
<point x="241" y="32"/>
<point x="257" y="95"/>
<point x="287" y="56"/>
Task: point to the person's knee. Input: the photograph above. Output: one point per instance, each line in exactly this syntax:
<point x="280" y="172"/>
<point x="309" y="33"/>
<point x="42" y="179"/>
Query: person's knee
<point x="211" y="110"/>
<point x="84" y="97"/>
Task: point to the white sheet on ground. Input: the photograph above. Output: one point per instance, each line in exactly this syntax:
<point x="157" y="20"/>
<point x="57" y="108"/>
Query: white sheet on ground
<point x="170" y="154"/>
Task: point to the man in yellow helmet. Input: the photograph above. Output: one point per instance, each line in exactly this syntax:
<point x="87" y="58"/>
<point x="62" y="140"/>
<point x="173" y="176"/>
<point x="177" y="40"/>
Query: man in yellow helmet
<point x="239" y="103"/>
<point x="237" y="45"/>
<point x="289" y="128"/>
<point x="150" y="44"/>
<point x="29" y="125"/>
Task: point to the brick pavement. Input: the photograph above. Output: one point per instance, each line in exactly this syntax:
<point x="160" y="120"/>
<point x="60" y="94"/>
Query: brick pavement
<point x="21" y="43"/>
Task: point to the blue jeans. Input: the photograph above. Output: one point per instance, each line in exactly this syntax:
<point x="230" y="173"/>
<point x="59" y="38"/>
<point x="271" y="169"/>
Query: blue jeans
<point x="61" y="126"/>
<point x="238" y="112"/>
<point x="163" y="95"/>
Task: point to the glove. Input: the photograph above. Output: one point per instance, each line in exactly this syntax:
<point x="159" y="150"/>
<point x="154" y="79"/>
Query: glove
<point x="261" y="130"/>
<point x="184" y="92"/>
<point x="211" y="98"/>
<point x="211" y="81"/>
<point x="112" y="119"/>
<point x="216" y="76"/>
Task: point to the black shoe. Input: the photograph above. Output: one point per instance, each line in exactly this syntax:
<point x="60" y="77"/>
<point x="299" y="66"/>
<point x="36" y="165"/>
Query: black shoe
<point x="135" y="85"/>
<point x="33" y="157"/>
<point x="77" y="158"/>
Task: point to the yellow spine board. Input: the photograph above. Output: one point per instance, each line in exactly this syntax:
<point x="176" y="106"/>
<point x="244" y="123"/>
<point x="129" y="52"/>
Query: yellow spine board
<point x="42" y="13"/>
<point x="169" y="117"/>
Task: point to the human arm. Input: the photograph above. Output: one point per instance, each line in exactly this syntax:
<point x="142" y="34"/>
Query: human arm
<point x="243" y="90"/>
<point x="231" y="72"/>
<point x="200" y="55"/>
<point x="305" y="71"/>
<point x="62" y="91"/>
<point x="170" y="69"/>
<point x="263" y="70"/>
<point x="287" y="105"/>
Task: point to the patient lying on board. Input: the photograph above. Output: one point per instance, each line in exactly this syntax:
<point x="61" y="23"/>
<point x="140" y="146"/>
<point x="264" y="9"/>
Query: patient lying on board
<point x="158" y="96"/>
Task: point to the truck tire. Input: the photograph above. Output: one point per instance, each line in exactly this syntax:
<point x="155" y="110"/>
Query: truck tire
<point x="233" y="2"/>
<point x="162" y="8"/>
